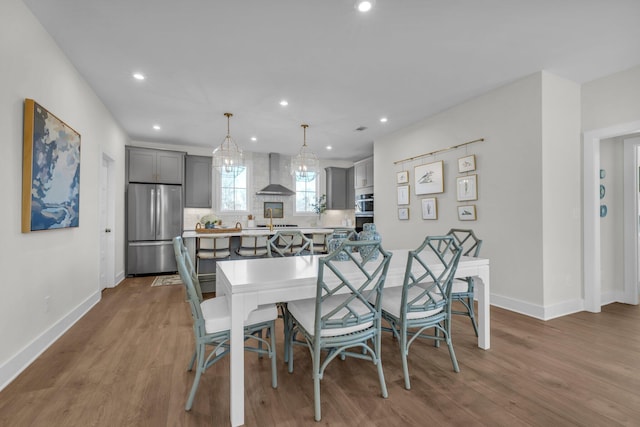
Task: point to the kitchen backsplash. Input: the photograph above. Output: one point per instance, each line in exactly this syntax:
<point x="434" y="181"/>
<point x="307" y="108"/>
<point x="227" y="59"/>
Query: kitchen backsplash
<point x="330" y="218"/>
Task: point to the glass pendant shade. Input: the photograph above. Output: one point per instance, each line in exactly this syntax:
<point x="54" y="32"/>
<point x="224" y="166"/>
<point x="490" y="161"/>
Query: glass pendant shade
<point x="228" y="157"/>
<point x="305" y="165"/>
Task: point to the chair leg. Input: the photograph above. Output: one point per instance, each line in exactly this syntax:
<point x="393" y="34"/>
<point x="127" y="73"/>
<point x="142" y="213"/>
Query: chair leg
<point x="272" y="355"/>
<point x="378" y="361"/>
<point x="285" y="322"/>
<point x="196" y="381"/>
<point x="316" y="384"/>
<point x="193" y="360"/>
<point x="403" y="355"/>
<point x="472" y="315"/>
<point x="289" y="344"/>
<point x="453" y="355"/>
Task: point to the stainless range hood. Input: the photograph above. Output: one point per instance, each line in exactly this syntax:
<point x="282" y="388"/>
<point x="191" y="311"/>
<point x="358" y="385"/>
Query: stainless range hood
<point x="274" y="188"/>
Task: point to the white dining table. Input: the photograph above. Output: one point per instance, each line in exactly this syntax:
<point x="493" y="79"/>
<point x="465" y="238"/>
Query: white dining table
<point x="248" y="283"/>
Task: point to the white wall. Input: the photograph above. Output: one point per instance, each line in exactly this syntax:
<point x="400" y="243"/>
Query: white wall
<point x="509" y="169"/>
<point x="528" y="171"/>
<point x="611" y="226"/>
<point x="60" y="264"/>
<point x="561" y="177"/>
<point x="611" y="100"/>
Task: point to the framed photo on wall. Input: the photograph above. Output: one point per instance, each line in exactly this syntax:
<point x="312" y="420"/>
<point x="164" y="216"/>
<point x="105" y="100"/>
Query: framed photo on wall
<point x="403" y="195"/>
<point x="430" y="208"/>
<point x="50" y="171"/>
<point x="467" y="164"/>
<point x="403" y="213"/>
<point x="273" y="210"/>
<point x="467" y="187"/>
<point x="467" y="213"/>
<point x="402" y="177"/>
<point x="429" y="178"/>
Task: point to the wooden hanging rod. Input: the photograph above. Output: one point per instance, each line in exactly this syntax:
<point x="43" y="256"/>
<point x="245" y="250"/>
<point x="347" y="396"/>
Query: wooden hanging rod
<point x="437" y="151"/>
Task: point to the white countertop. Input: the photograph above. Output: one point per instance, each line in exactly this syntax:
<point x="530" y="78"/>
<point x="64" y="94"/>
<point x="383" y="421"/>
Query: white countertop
<point x="258" y="231"/>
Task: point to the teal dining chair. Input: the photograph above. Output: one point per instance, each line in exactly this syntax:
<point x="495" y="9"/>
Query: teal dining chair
<point x="211" y="323"/>
<point x="423" y="302"/>
<point x="344" y="317"/>
<point x="462" y="289"/>
<point x="289" y="243"/>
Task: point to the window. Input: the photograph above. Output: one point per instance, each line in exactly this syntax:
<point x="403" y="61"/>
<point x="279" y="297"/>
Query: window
<point x="306" y="194"/>
<point x="233" y="191"/>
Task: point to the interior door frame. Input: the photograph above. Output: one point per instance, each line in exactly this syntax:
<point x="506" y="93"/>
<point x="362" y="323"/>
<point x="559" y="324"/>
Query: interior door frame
<point x="107" y="203"/>
<point x="631" y="237"/>
<point x="591" y="268"/>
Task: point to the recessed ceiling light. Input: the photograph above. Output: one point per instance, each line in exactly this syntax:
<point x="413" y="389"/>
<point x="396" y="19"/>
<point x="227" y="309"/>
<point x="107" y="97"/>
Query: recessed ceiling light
<point x="364" y="5"/>
<point x="138" y="76"/>
<point x="156" y="127"/>
<point x="254" y="139"/>
<point x="383" y="120"/>
<point x="329" y="147"/>
<point x="284" y="103"/>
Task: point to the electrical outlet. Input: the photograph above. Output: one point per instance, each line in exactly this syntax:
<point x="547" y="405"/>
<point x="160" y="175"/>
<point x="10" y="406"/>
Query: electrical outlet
<point x="47" y="303"/>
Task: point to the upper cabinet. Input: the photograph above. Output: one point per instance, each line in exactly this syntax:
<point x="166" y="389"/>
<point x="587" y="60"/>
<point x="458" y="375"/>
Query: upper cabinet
<point x="155" y="166"/>
<point x="197" y="186"/>
<point x="363" y="171"/>
<point x="340" y="194"/>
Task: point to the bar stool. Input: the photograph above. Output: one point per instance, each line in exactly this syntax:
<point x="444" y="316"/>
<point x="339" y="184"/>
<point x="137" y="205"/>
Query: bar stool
<point x="211" y="248"/>
<point x="253" y="246"/>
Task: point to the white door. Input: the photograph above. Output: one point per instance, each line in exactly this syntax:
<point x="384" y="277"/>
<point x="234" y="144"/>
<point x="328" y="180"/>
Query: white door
<point x="107" y="217"/>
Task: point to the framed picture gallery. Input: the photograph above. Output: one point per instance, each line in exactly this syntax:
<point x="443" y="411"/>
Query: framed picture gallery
<point x="467" y="187"/>
<point x="429" y="178"/>
<point x="430" y="208"/>
<point x="467" y="213"/>
<point x="402" y="177"/>
<point x="403" y="213"/>
<point x="403" y="195"/>
<point x="467" y="164"/>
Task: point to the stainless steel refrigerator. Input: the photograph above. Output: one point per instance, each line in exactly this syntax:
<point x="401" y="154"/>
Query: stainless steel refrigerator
<point x="154" y="218"/>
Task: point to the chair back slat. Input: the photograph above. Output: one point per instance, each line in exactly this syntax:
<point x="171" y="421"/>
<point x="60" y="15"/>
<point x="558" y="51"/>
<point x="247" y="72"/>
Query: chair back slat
<point x="289" y="243"/>
<point x="190" y="280"/>
<point x="355" y="279"/>
<point x="429" y="274"/>
<point x="467" y="240"/>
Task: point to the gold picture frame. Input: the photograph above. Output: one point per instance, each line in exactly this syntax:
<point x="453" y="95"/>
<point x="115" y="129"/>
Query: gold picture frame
<point x="402" y="177"/>
<point x="429" y="178"/>
<point x="50" y="171"/>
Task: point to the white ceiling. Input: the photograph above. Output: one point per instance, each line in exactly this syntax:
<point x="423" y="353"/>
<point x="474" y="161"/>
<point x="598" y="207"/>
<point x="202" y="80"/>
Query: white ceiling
<point x="338" y="68"/>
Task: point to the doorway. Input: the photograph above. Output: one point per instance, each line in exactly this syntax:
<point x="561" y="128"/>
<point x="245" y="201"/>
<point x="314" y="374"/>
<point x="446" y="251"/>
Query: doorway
<point x="106" y="222"/>
<point x="592" y="278"/>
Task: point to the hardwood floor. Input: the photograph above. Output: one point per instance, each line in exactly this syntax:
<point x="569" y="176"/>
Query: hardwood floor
<point x="124" y="364"/>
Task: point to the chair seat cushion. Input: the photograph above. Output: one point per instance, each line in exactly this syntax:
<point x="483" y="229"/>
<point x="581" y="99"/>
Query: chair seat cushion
<point x="252" y="251"/>
<point x="213" y="255"/>
<point x="216" y="314"/>
<point x="304" y="311"/>
<point x="392" y="300"/>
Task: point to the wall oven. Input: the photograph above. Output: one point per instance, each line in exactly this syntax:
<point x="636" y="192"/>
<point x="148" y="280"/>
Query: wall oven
<point x="364" y="210"/>
<point x="364" y="204"/>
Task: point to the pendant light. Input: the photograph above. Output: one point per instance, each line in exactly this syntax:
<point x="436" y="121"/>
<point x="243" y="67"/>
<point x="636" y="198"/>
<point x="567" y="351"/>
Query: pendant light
<point x="228" y="157"/>
<point x="305" y="165"/>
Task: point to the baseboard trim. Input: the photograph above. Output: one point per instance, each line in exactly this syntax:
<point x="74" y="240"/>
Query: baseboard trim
<point x="538" y="311"/>
<point x="18" y="363"/>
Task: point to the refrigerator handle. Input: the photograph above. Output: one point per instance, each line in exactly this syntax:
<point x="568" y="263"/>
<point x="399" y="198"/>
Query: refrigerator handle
<point x="152" y="210"/>
<point x="158" y="211"/>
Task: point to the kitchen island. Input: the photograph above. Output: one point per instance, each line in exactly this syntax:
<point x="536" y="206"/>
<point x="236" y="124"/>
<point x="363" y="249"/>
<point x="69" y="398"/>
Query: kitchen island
<point x="194" y="239"/>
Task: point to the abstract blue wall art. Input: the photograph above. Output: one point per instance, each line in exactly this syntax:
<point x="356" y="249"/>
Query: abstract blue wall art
<point x="50" y="171"/>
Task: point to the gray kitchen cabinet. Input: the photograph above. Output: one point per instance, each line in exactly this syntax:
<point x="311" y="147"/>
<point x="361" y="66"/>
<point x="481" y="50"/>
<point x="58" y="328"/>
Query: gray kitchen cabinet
<point x="197" y="182"/>
<point x="351" y="194"/>
<point x="363" y="173"/>
<point x="337" y="190"/>
<point x="155" y="166"/>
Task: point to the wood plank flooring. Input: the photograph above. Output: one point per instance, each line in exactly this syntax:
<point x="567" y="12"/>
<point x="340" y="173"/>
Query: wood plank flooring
<point x="124" y="364"/>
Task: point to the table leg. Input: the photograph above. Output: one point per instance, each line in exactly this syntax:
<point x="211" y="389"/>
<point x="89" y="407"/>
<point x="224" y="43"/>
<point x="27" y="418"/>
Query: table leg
<point x="482" y="291"/>
<point x="237" y="360"/>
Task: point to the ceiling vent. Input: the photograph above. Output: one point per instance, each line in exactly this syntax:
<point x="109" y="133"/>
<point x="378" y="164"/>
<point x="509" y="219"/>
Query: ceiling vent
<point x="361" y="128"/>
